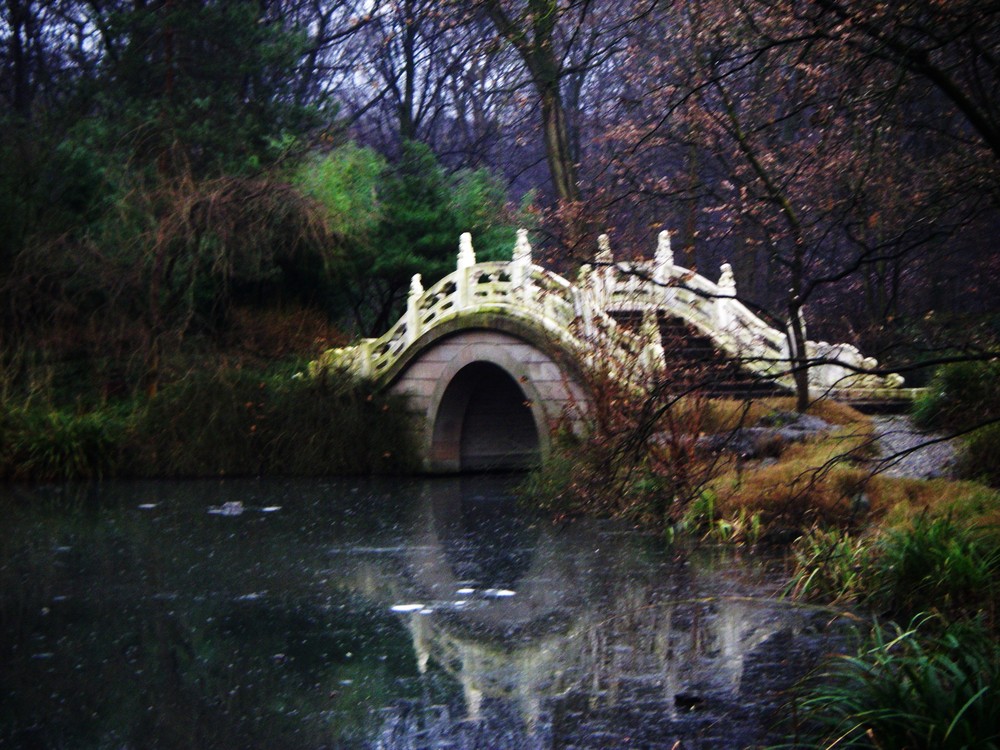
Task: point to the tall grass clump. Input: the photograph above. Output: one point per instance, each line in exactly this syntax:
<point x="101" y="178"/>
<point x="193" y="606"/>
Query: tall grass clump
<point x="937" y="565"/>
<point x="314" y="426"/>
<point x="926" y="687"/>
<point x="831" y="565"/>
<point x="933" y="564"/>
<point x="49" y="444"/>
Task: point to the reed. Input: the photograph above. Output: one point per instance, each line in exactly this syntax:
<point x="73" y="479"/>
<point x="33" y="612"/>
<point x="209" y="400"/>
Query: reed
<point x="931" y="685"/>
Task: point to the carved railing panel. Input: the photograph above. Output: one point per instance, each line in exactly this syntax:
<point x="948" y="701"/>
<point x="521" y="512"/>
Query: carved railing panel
<point x="577" y="317"/>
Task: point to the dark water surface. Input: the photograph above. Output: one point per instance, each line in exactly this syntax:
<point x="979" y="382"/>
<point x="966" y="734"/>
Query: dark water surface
<point x="376" y="614"/>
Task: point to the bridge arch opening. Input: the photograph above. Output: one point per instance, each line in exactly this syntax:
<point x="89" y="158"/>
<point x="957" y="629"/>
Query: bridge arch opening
<point x="484" y="422"/>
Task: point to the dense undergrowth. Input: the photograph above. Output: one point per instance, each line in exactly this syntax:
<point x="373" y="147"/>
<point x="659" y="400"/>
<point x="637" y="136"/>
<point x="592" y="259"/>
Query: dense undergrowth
<point x="213" y="416"/>
<point x="925" y="565"/>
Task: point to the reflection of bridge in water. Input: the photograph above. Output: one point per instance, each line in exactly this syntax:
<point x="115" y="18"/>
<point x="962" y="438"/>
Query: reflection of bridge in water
<point x="566" y="634"/>
<point x="494" y="354"/>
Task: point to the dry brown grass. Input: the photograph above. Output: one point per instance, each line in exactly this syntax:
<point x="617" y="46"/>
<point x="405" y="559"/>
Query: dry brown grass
<point x="819" y="481"/>
<point x="719" y="415"/>
<point x="825" y="481"/>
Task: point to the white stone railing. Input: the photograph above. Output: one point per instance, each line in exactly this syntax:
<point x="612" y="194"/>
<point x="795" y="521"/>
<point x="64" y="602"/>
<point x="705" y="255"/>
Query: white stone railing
<point x="713" y="309"/>
<point x="577" y="317"/>
<point x="520" y="289"/>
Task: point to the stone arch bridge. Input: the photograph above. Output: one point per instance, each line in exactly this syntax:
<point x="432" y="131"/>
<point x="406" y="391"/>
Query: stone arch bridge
<point x="494" y="355"/>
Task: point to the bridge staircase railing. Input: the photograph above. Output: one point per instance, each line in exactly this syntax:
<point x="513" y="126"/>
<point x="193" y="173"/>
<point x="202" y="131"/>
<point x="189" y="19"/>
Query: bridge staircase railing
<point x="566" y="313"/>
<point x="579" y="318"/>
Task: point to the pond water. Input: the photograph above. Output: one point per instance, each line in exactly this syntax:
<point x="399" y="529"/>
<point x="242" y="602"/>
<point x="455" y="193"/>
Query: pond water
<point x="378" y="614"/>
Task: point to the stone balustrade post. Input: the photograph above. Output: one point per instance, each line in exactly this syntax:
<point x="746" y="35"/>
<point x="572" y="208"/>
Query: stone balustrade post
<point x="364" y="360"/>
<point x="413" y="309"/>
<point x="582" y="295"/>
<point x="520" y="268"/>
<point x="663" y="260"/>
<point x="604" y="277"/>
<point x="653" y="352"/>
<point x="727" y="293"/>
<point x="520" y="264"/>
<point x="466" y="260"/>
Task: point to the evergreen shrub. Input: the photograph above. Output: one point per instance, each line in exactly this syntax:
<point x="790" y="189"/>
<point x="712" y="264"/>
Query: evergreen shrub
<point x="960" y="395"/>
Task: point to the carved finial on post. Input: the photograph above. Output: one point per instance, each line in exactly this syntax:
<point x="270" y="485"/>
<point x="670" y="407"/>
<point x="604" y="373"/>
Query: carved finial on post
<point x="727" y="290"/>
<point x="663" y="261"/>
<point x="521" y="261"/>
<point x="413" y="310"/>
<point x="604" y="255"/>
<point x="522" y="249"/>
<point x="416" y="288"/>
<point x="727" y="282"/>
<point x="466" y="260"/>
<point x="466" y="255"/>
<point x="605" y="278"/>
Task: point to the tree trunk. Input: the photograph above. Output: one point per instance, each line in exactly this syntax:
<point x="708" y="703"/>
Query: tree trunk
<point x="557" y="146"/>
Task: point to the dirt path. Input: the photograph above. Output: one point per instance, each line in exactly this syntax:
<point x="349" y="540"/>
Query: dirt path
<point x="905" y="451"/>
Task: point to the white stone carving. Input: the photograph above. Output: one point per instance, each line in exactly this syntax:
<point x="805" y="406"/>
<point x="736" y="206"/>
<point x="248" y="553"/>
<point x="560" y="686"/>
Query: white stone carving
<point x="466" y="254"/>
<point x="663" y="259"/>
<point x="578" y="317"/>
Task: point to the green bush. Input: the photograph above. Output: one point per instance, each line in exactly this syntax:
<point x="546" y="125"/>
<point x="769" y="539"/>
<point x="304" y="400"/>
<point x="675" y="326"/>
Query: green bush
<point x="241" y="423"/>
<point x="314" y="427"/>
<point x="202" y="425"/>
<point x="960" y="395"/>
<point x="56" y="445"/>
<point x="907" y="689"/>
<point x="980" y="456"/>
<point x="936" y="565"/>
<point x="401" y="218"/>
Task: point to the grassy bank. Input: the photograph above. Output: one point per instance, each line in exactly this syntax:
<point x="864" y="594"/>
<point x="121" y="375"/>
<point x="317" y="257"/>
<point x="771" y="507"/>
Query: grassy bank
<point x="920" y="559"/>
<point x="227" y="421"/>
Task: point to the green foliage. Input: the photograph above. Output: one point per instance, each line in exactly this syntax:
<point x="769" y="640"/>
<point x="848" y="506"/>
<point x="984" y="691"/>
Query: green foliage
<point x="910" y="690"/>
<point x="830" y="565"/>
<point x="960" y="395"/>
<point x="233" y="422"/>
<point x="202" y="87"/>
<point x="345" y="182"/>
<point x="240" y="423"/>
<point x="980" y="457"/>
<point x="934" y="564"/>
<point x="403" y="218"/>
<point x="56" y="445"/>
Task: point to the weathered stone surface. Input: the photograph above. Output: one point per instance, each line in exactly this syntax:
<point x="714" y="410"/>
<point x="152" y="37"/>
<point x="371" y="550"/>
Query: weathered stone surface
<point x="541" y="332"/>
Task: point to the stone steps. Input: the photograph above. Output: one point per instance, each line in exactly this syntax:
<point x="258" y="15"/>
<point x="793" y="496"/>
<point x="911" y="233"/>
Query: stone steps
<point x="694" y="362"/>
